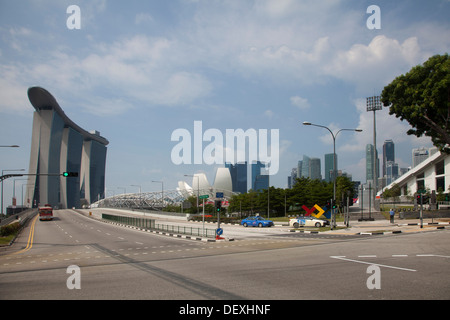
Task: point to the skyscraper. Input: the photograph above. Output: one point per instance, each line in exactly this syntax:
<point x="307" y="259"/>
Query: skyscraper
<point x="419" y="155"/>
<point x="388" y="154"/>
<point x="238" y="173"/>
<point x="305" y="167"/>
<point x="259" y="181"/>
<point x="329" y="167"/>
<point x="369" y="163"/>
<point x="315" y="169"/>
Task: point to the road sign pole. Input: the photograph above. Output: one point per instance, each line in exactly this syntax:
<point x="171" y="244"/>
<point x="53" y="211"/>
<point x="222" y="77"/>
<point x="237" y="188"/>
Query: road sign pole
<point x="421" y="211"/>
<point x="203" y="231"/>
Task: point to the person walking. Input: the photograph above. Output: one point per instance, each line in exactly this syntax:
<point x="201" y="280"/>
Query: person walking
<point x="392" y="213"/>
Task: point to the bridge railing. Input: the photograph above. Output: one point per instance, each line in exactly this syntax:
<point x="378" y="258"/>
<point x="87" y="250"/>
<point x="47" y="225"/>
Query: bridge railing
<point x="149" y="224"/>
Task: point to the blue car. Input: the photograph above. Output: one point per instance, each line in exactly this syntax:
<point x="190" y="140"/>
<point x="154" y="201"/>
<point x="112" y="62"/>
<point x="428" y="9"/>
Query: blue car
<point x="256" y="222"/>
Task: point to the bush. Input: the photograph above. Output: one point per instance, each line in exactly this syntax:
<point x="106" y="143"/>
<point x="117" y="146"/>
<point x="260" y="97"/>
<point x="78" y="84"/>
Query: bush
<point x="9" y="229"/>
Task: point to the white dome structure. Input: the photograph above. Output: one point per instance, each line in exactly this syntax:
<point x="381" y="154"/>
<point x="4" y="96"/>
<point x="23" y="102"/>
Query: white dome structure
<point x="184" y="189"/>
<point x="222" y="182"/>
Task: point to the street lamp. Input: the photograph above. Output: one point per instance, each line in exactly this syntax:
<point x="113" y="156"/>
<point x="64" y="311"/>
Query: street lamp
<point x="307" y="123"/>
<point x="162" y="193"/>
<point x="2" y="186"/>
<point x="140" y="199"/>
<point x="198" y="186"/>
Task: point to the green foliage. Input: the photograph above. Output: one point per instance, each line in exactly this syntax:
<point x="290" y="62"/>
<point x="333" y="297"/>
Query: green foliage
<point x="422" y="97"/>
<point x="9" y="229"/>
<point x="304" y="192"/>
<point x="393" y="192"/>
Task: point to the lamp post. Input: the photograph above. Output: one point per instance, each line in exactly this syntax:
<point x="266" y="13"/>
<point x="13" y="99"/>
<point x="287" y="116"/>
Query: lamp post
<point x="334" y="135"/>
<point x="198" y="186"/>
<point x="2" y="186"/>
<point x="140" y="192"/>
<point x="162" y="193"/>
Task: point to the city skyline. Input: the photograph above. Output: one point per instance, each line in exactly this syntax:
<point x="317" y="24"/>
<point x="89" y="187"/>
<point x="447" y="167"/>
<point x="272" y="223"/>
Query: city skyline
<point x="136" y="71"/>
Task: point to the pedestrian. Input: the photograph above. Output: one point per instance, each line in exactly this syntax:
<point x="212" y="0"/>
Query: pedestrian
<point x="391" y="213"/>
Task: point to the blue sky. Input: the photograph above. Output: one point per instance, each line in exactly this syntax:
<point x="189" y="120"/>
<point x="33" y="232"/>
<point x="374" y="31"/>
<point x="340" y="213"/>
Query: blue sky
<point x="138" y="70"/>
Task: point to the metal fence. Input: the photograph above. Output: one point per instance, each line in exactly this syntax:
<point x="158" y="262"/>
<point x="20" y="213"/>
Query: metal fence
<point x="150" y="224"/>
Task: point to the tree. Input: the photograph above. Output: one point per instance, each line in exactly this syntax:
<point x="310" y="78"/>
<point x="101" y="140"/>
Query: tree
<point x="422" y="97"/>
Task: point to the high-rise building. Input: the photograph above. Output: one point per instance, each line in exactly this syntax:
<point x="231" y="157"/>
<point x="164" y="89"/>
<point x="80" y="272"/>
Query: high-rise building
<point x="299" y="169"/>
<point x="315" y="169"/>
<point x="305" y="167"/>
<point x="238" y="173"/>
<point x="59" y="145"/>
<point x="292" y="177"/>
<point x="259" y="181"/>
<point x="392" y="172"/>
<point x="369" y="163"/>
<point x="419" y="155"/>
<point x="328" y="174"/>
<point x="388" y="154"/>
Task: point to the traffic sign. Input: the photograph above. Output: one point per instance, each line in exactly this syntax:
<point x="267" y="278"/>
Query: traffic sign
<point x="219" y="231"/>
<point x="219" y="194"/>
<point x="205" y="196"/>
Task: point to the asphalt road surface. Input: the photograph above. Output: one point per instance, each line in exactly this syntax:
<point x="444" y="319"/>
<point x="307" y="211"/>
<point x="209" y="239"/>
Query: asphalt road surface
<point x="77" y="257"/>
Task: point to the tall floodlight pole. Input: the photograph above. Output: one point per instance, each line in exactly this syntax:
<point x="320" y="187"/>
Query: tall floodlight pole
<point x="374" y="104"/>
<point x="306" y="123"/>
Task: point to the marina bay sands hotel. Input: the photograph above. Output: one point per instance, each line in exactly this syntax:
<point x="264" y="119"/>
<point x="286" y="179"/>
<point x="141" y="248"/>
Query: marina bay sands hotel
<point x="59" y="145"/>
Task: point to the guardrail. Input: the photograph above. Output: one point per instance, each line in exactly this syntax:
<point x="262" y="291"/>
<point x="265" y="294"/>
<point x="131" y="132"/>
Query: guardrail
<point x="150" y="224"/>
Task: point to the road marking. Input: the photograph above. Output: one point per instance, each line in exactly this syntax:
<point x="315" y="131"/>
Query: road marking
<point x="30" y="237"/>
<point x="371" y="263"/>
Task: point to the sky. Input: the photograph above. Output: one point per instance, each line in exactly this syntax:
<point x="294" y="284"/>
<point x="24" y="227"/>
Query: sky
<point x="136" y="71"/>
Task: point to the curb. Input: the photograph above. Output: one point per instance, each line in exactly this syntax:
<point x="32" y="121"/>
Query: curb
<point x="175" y="235"/>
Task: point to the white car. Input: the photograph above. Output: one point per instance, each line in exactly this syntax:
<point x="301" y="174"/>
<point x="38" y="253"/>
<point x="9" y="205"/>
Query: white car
<point x="308" y="222"/>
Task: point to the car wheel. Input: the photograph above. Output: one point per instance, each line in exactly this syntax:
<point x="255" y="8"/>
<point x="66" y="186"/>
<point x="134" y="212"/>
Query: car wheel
<point x="245" y="224"/>
<point x="260" y="225"/>
<point x="296" y="225"/>
<point x="318" y="225"/>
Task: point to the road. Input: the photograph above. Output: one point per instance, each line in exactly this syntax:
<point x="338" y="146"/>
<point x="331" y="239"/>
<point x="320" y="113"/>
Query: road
<point x="121" y="263"/>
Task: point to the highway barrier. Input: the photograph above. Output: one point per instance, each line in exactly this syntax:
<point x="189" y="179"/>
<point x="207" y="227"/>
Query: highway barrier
<point x="150" y="224"/>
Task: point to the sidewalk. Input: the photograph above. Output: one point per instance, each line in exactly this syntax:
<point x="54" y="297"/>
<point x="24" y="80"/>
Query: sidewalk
<point x="379" y="227"/>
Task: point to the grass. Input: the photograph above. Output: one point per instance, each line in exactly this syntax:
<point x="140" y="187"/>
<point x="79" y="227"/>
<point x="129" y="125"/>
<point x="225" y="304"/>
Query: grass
<point x="6" y="240"/>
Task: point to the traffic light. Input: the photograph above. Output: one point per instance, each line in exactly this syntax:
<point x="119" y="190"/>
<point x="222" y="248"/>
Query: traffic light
<point x="70" y="174"/>
<point x="333" y="204"/>
<point x="218" y="205"/>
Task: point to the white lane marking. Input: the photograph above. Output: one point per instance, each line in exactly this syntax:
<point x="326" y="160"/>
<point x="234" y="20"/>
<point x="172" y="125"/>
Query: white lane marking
<point x="371" y="263"/>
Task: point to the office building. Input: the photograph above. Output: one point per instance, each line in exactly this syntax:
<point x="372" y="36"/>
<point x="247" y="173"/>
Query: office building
<point x="369" y="163"/>
<point x="388" y="154"/>
<point x="260" y="181"/>
<point x="238" y="174"/>
<point x="328" y="174"/>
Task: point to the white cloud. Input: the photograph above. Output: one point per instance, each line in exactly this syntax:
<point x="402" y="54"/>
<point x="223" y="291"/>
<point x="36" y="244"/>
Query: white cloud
<point x="374" y="65"/>
<point x="300" y="102"/>
<point x="136" y="69"/>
